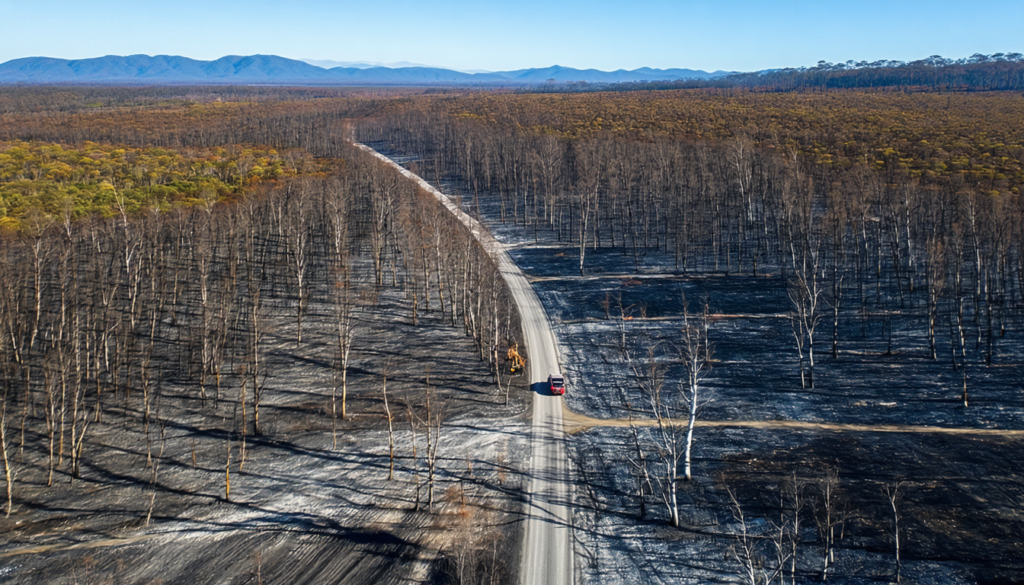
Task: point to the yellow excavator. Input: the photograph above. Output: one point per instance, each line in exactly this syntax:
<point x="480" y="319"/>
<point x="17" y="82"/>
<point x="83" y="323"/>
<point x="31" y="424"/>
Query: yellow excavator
<point x="516" y="362"/>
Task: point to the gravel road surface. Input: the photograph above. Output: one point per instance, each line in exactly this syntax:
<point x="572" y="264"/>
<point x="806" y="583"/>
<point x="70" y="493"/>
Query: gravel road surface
<point x="547" y="551"/>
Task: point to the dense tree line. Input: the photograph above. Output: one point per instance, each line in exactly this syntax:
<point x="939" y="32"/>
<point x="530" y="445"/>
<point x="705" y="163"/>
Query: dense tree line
<point x="284" y="124"/>
<point x="39" y="99"/>
<point x="1001" y="71"/>
<point x="997" y="72"/>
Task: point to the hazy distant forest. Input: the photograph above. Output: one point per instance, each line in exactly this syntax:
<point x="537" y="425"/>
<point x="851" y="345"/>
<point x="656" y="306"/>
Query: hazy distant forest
<point x="1001" y="71"/>
<point x="152" y="238"/>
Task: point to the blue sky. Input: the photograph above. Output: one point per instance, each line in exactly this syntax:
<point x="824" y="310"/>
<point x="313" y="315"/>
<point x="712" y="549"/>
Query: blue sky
<point x="738" y="35"/>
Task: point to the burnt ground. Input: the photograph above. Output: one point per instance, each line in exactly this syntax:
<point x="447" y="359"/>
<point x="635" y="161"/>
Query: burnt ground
<point x="960" y="512"/>
<point x="961" y="506"/>
<point x="299" y="510"/>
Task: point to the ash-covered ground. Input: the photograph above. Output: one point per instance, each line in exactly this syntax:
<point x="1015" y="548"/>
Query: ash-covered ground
<point x="959" y="492"/>
<point x="961" y="503"/>
<point x="300" y="510"/>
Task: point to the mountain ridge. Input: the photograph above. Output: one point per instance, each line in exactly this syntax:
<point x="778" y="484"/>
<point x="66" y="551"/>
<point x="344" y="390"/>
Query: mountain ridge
<point x="272" y="69"/>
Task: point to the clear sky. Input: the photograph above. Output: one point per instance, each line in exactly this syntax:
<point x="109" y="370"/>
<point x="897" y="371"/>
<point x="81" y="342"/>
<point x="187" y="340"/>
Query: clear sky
<point x="736" y="35"/>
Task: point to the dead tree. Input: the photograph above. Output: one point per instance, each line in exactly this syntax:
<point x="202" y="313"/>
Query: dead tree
<point x="79" y="427"/>
<point x="830" y="517"/>
<point x="435" y="411"/>
<point x="383" y="191"/>
<point x="955" y="258"/>
<point x="696" y="352"/>
<point x="413" y="422"/>
<point x="793" y="499"/>
<point x="298" y="241"/>
<point x="385" y="372"/>
<point x="893" y="494"/>
<point x="337" y="208"/>
<point x="747" y="551"/>
<point x="439" y="232"/>
<point x="50" y="412"/>
<point x="805" y="295"/>
<point x="935" y="277"/>
<point x="621" y="325"/>
<point x="155" y="469"/>
<point x="345" y="307"/>
<point x="639" y="464"/>
<point x="203" y="252"/>
<point x="255" y="275"/>
<point x="670" y="434"/>
<point x="806" y="289"/>
<point x="585" y="194"/>
<point x="4" y="447"/>
<point x="227" y="462"/>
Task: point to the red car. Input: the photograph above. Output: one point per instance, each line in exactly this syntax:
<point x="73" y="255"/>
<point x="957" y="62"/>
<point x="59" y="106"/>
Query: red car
<point x="557" y="383"/>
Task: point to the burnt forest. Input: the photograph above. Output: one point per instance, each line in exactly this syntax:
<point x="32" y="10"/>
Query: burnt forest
<point x="276" y="334"/>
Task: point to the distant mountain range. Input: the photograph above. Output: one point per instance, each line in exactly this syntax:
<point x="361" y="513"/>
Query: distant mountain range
<point x="329" y="64"/>
<point x="270" y="69"/>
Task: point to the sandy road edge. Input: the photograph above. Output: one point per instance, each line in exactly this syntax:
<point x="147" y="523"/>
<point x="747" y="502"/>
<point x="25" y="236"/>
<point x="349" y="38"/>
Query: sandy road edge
<point x="575" y="422"/>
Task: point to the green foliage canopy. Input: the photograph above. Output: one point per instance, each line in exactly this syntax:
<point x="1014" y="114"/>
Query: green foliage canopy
<point x="46" y="178"/>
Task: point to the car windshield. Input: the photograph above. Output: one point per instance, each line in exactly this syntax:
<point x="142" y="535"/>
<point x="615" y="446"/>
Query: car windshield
<point x="557" y="381"/>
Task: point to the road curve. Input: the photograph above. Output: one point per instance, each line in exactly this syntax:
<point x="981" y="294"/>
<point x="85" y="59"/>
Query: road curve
<point x="547" y="555"/>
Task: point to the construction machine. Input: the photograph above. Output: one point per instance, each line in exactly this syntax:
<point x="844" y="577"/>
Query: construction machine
<point x="516" y="362"/>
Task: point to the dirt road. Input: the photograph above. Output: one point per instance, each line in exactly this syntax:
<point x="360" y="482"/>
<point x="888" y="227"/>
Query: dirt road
<point x="574" y="422"/>
<point x="547" y="552"/>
